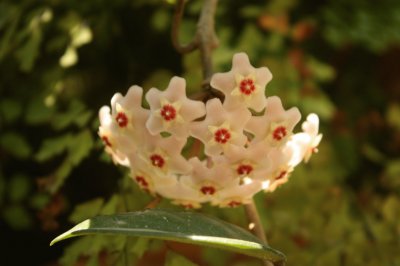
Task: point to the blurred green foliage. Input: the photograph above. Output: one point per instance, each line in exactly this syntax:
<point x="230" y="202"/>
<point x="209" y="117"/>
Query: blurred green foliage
<point x="61" y="60"/>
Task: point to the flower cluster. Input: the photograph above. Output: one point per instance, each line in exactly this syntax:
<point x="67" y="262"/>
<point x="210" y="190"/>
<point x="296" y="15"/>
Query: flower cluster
<point x="218" y="152"/>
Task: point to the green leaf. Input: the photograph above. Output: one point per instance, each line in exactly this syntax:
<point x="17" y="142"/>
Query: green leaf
<point x="18" y="188"/>
<point x="53" y="147"/>
<point x="180" y="226"/>
<point x="87" y="209"/>
<point x="17" y="217"/>
<point x="10" y="109"/>
<point x="15" y="144"/>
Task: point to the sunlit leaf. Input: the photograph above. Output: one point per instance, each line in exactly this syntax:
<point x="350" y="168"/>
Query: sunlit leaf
<point x="53" y="147"/>
<point x="81" y="34"/>
<point x="85" y="210"/>
<point x="187" y="227"/>
<point x="69" y="58"/>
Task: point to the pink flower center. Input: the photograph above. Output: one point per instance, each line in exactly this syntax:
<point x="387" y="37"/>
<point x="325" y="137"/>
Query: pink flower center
<point x="222" y="135"/>
<point x="188" y="206"/>
<point x="122" y="119"/>
<point x="279" y="133"/>
<point x="142" y="181"/>
<point x="234" y="203"/>
<point x="157" y="160"/>
<point x="106" y="141"/>
<point x="168" y="112"/>
<point x="244" y="169"/>
<point x="247" y="86"/>
<point x="208" y="190"/>
<point x="282" y="174"/>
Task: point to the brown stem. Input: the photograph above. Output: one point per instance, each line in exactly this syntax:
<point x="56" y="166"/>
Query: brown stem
<point x="205" y="38"/>
<point x="206" y="35"/>
<point x="255" y="225"/>
<point x="176" y="23"/>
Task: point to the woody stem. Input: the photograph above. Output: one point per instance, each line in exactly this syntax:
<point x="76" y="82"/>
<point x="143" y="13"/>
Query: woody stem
<point x="205" y="38"/>
<point x="255" y="225"/>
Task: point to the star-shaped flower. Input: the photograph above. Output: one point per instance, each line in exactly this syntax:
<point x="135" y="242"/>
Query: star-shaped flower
<point x="244" y="84"/>
<point x="113" y="142"/>
<point x="122" y="126"/>
<point x="237" y="193"/>
<point x="282" y="165"/>
<point x="309" y="139"/>
<point x="276" y="125"/>
<point x="221" y="129"/>
<point x="207" y="180"/>
<point x="171" y="110"/>
<point x="246" y="162"/>
<point x="162" y="155"/>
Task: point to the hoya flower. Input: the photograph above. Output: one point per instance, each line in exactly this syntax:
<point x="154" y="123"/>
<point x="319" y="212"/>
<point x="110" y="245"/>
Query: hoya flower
<point x="276" y="125"/>
<point x="243" y="153"/>
<point x="246" y="162"/>
<point x="207" y="181"/>
<point x="282" y="165"/>
<point x="221" y="128"/>
<point x="109" y="136"/>
<point x="149" y="177"/>
<point x="181" y="194"/>
<point x="238" y="192"/>
<point x="162" y="155"/>
<point x="122" y="126"/>
<point x="309" y="139"/>
<point x="171" y="110"/>
<point x="244" y="85"/>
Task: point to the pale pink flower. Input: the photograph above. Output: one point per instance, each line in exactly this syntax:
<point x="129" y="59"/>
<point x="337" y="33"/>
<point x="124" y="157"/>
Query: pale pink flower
<point x="183" y="195"/>
<point x="171" y="110"/>
<point x="244" y="153"/>
<point x="122" y="126"/>
<point x="112" y="141"/>
<point x="244" y="84"/>
<point x="309" y="139"/>
<point x="276" y="125"/>
<point x="251" y="161"/>
<point x="236" y="193"/>
<point x="282" y="165"/>
<point x="221" y="129"/>
<point x="162" y="155"/>
<point x="207" y="180"/>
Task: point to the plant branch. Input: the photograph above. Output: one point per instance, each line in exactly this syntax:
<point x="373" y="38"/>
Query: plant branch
<point x="205" y="38"/>
<point x="255" y="225"/>
<point x="176" y="23"/>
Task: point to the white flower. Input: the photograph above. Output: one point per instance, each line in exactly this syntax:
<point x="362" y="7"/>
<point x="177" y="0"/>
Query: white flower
<point x="243" y="153"/>
<point x="221" y="128"/>
<point x="247" y="162"/>
<point x="122" y="126"/>
<point x="276" y="125"/>
<point x="244" y="84"/>
<point x="171" y="110"/>
<point x="309" y="139"/>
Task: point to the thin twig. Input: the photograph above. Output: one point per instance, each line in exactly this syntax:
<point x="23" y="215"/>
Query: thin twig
<point x="176" y="23"/>
<point x="152" y="204"/>
<point x="206" y="35"/>
<point x="204" y="39"/>
<point x="255" y="225"/>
